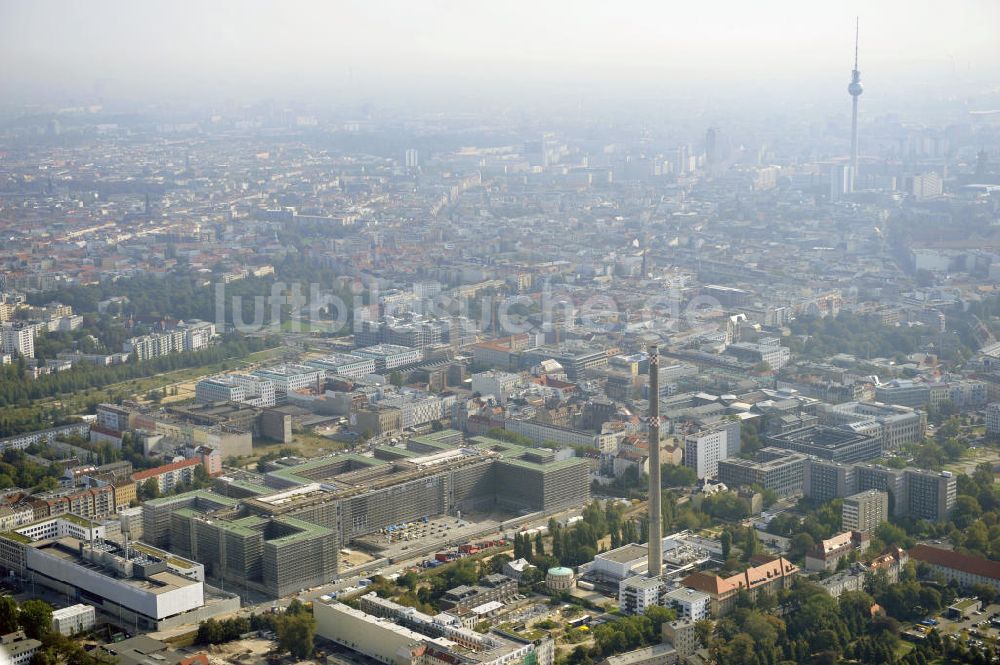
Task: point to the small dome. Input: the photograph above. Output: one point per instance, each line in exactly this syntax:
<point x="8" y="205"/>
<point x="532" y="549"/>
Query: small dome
<point x="560" y="571"/>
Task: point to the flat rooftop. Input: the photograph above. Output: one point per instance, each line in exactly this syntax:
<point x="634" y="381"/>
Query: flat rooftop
<point x="625" y="553"/>
<point x="68" y="549"/>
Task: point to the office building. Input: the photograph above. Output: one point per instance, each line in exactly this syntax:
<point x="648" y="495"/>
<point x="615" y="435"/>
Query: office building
<point x="690" y="604"/>
<point x="824" y="480"/>
<point x="703" y="452"/>
<point x="289" y="537"/>
<point x="894" y="425"/>
<point x="993" y="418"/>
<point x="783" y="475"/>
<point x="74" y="619"/>
<point x="389" y="356"/>
<point x="891" y="481"/>
<point x="638" y="592"/>
<point x="496" y="383"/>
<point x="656" y="654"/>
<point x="292" y="378"/>
<point x="621" y="562"/>
<point x="342" y="364"/>
<point x="930" y="494"/>
<point x="682" y="634"/>
<point x="837" y="444"/>
<point x="768" y="351"/>
<point x="244" y="388"/>
<point x="864" y="511"/>
<point x="138" y="587"/>
<point x="17" y="649"/>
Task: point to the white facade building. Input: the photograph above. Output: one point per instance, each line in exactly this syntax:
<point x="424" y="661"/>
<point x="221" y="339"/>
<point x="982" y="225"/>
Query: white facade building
<point x="243" y="388"/>
<point x="703" y="452"/>
<point x="496" y="383"/>
<point x="993" y="418"/>
<point x="17" y="339"/>
<point x="74" y="619"/>
<point x="342" y="364"/>
<point x="389" y="356"/>
<point x="689" y="603"/>
<point x="419" y="407"/>
<point x="638" y="592"/>
<point x="292" y="378"/>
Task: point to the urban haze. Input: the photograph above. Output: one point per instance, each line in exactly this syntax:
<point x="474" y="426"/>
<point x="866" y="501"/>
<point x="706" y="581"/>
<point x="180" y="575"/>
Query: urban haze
<point x="458" y="333"/>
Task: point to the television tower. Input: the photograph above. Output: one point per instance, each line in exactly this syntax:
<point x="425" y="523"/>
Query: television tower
<point x="655" y="560"/>
<point x="854" y="89"/>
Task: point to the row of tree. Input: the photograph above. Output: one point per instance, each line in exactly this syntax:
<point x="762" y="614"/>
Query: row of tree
<point x="17" y="393"/>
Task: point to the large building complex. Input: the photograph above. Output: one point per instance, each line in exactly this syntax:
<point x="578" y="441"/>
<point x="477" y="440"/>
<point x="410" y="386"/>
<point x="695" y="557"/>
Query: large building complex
<point x="389" y="356"/>
<point x="133" y="586"/>
<point x="287" y="535"/>
<point x="893" y="425"/>
<point x="782" y="474"/>
<point x="342" y="364"/>
<point x="245" y="388"/>
<point x="910" y="492"/>
<point x="839" y="444"/>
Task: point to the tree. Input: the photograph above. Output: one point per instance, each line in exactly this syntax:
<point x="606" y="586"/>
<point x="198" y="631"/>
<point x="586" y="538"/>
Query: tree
<point x="727" y="543"/>
<point x="966" y="511"/>
<point x="673" y="475"/>
<point x="801" y="543"/>
<point x="751" y="545"/>
<point x="43" y="657"/>
<point x="703" y="630"/>
<point x="295" y="633"/>
<point x="210" y="632"/>
<point x="464" y="572"/>
<point x="497" y="562"/>
<point x="396" y="378"/>
<point x="409" y="579"/>
<point x="8" y="615"/>
<point x="659" y="615"/>
<point x="35" y="618"/>
<point x="150" y="489"/>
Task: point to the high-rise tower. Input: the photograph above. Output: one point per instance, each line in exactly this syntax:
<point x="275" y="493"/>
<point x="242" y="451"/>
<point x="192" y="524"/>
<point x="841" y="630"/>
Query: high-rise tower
<point x="655" y="560"/>
<point x="854" y="90"/>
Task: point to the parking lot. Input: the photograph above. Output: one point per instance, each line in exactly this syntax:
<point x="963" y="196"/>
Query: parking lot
<point x="976" y="627"/>
<point x="418" y="536"/>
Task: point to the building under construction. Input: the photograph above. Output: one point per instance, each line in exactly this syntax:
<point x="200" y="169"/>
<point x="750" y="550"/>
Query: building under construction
<point x="288" y="538"/>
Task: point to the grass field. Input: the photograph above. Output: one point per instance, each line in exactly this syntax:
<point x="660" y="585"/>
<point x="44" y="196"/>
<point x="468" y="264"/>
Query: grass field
<point x="972" y="458"/>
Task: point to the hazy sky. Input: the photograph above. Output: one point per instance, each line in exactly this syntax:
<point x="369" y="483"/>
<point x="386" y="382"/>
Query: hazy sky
<point x="355" y="49"/>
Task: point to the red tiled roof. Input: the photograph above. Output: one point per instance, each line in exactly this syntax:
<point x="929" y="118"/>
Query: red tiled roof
<point x="765" y="570"/>
<point x="973" y="565"/>
<point x="166" y="468"/>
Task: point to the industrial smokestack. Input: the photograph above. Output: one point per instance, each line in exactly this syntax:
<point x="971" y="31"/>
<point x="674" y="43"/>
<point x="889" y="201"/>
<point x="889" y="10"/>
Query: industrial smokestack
<point x="655" y="520"/>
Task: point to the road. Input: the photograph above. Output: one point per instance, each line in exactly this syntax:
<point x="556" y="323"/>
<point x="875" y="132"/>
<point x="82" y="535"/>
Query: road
<point x="388" y="569"/>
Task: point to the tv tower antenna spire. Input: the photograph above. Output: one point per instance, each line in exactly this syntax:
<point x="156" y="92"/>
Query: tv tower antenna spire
<point x="854" y="90"/>
<point x="857" y="29"/>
